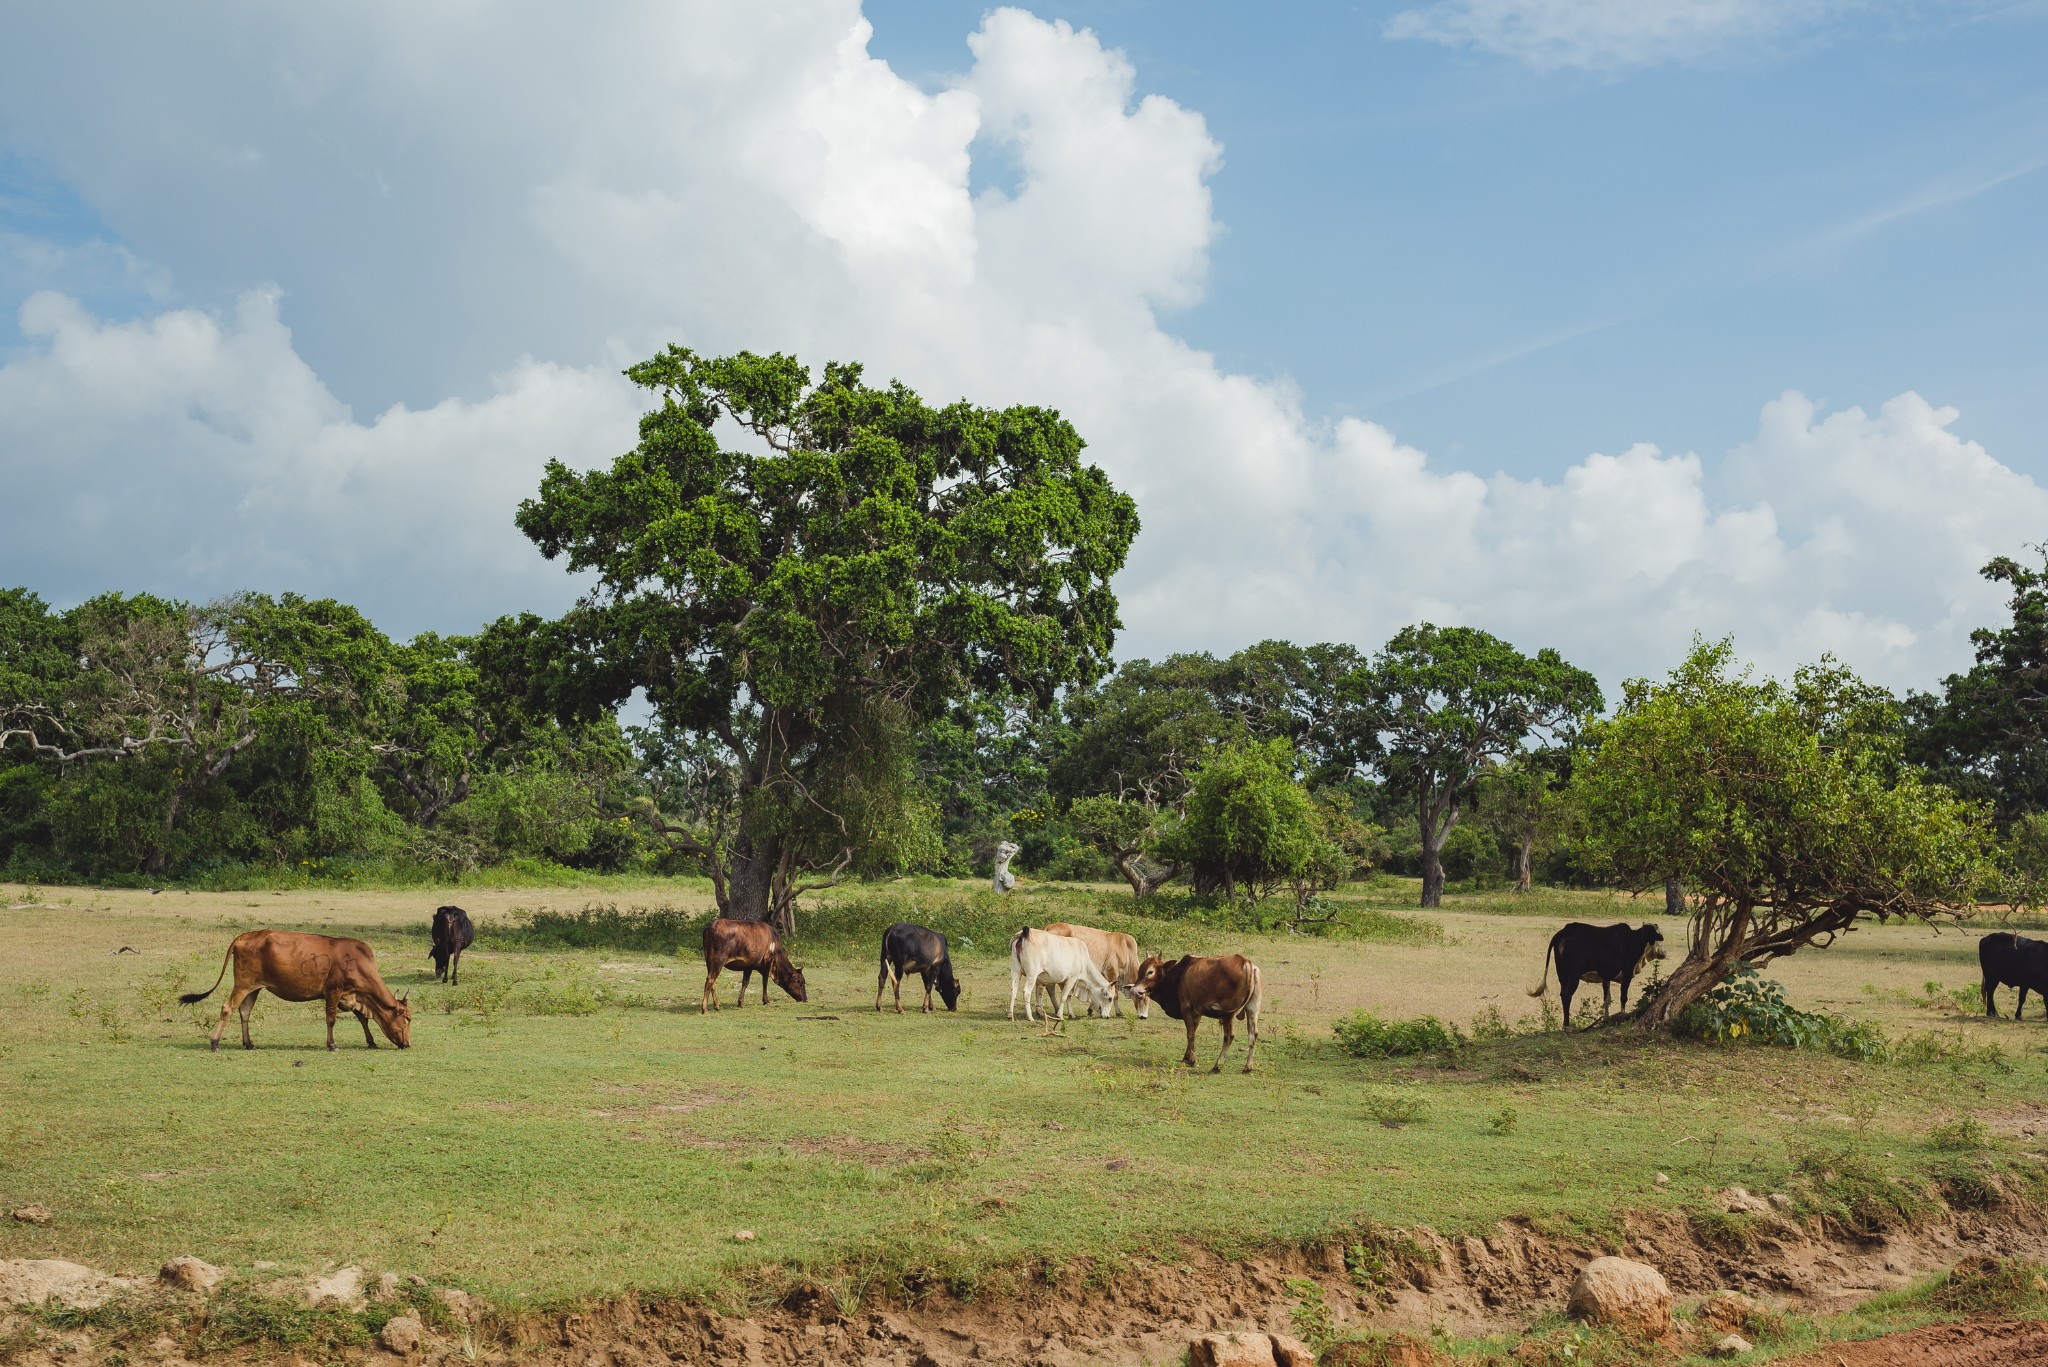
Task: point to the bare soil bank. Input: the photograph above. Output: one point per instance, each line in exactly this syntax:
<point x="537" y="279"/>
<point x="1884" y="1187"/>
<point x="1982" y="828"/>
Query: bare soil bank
<point x="1146" y="1310"/>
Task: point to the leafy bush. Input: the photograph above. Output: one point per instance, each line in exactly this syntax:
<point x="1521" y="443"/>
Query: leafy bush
<point x="1367" y="1036"/>
<point x="1749" y="1006"/>
<point x="656" y="930"/>
<point x="1961" y="1134"/>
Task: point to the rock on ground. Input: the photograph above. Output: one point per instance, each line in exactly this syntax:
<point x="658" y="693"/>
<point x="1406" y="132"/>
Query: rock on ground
<point x="38" y="1281"/>
<point x="1623" y="1292"/>
<point x="343" y="1287"/>
<point x="1739" y="1201"/>
<point x="1733" y="1345"/>
<point x="34" y="1213"/>
<point x="1249" y="1349"/>
<point x="1231" y="1350"/>
<point x="461" y="1305"/>
<point x="186" y="1273"/>
<point x="401" y="1334"/>
<point x="1727" y="1310"/>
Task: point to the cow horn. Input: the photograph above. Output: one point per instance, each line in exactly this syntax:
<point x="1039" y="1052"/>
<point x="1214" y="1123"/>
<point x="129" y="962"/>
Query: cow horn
<point x="406" y="997"/>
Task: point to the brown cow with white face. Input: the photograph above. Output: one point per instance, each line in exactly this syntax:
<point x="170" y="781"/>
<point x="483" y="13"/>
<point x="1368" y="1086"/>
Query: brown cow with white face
<point x="300" y="966"/>
<point x="1194" y="987"/>
<point x="751" y="947"/>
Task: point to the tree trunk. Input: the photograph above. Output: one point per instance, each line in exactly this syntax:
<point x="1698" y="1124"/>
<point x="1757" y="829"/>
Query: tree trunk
<point x="159" y="857"/>
<point x="1699" y="974"/>
<point x="1142" y="883"/>
<point x="1674" y="898"/>
<point x="1432" y="856"/>
<point x="1523" y="864"/>
<point x="750" y="880"/>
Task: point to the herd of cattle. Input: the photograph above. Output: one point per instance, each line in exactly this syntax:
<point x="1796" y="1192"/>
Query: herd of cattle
<point x="1060" y="960"/>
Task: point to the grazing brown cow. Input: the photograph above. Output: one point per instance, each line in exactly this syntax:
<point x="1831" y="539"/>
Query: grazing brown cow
<point x="751" y="947"/>
<point x="299" y="966"/>
<point x="1115" y="953"/>
<point x="1226" y="988"/>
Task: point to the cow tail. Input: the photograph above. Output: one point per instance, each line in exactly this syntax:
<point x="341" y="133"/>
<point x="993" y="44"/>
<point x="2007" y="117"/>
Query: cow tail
<point x="1256" y="998"/>
<point x="191" y="997"/>
<point x="1017" y="949"/>
<point x="1543" y="982"/>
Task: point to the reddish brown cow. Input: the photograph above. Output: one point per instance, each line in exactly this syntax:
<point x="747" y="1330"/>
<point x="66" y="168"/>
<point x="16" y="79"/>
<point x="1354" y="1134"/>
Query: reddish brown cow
<point x="299" y="967"/>
<point x="751" y="947"/>
<point x="1193" y="988"/>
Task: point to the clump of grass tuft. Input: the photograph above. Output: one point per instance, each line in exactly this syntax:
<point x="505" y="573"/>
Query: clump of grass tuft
<point x="1854" y="1191"/>
<point x="2005" y="1287"/>
<point x="1367" y="1036"/>
<point x="1396" y="1107"/>
<point x="1960" y="1134"/>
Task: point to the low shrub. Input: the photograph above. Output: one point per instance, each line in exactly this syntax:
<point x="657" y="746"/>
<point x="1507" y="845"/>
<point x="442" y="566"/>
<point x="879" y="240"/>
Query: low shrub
<point x="1396" y="1107"/>
<point x="1854" y="1191"/>
<point x="1751" y="1008"/>
<point x="1367" y="1036"/>
<point x="1959" y="1134"/>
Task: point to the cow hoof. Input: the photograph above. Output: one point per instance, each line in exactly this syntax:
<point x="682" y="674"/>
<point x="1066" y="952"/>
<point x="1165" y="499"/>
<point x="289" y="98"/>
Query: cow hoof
<point x="216" y="1046"/>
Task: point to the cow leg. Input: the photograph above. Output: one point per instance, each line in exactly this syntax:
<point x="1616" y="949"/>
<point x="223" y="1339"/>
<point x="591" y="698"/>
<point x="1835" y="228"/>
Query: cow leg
<point x="1626" y="979"/>
<point x="333" y="1010"/>
<point x="2019" y="1007"/>
<point x="746" y="978"/>
<point x="927" y="978"/>
<point x="363" y="1019"/>
<point x="899" y="994"/>
<point x="764" y="987"/>
<point x="1194" y="1022"/>
<point x="1565" y="990"/>
<point x="1990" y="1006"/>
<point x="1228" y="1035"/>
<point x="709" y="1001"/>
<point x="1251" y="1048"/>
<point x="455" y="969"/>
<point x="881" y="984"/>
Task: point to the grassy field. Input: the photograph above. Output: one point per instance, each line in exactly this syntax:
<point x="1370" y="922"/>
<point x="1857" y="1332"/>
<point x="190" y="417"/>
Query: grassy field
<point x="567" y="1124"/>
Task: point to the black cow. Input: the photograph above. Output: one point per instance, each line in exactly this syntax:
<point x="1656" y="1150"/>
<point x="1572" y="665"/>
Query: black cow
<point x="914" y="949"/>
<point x="452" y="934"/>
<point x="2010" y="960"/>
<point x="1598" y="954"/>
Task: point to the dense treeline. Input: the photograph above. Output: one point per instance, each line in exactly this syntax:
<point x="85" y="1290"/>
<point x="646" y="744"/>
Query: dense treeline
<point x="877" y="640"/>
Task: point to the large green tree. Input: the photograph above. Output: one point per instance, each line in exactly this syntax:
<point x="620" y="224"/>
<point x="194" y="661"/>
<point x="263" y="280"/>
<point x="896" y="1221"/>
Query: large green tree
<point x="1787" y="812"/>
<point x="810" y="590"/>
<point x="179" y="693"/>
<point x="1987" y="734"/>
<point x="1448" y="703"/>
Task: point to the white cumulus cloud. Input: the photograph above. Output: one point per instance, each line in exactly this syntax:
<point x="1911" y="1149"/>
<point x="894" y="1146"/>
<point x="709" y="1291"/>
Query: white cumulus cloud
<point x="753" y="176"/>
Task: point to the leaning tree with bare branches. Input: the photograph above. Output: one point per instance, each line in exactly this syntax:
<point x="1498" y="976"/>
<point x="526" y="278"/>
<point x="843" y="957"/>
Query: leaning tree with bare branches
<point x="1787" y="813"/>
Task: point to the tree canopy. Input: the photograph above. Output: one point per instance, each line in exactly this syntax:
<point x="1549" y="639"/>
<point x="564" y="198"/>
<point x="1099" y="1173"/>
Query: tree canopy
<point x="1787" y="812"/>
<point x="808" y="598"/>
<point x="1449" y="702"/>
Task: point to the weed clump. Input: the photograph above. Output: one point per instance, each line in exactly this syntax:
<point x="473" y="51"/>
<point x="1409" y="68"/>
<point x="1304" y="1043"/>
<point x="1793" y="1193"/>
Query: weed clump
<point x="1395" y="1108"/>
<point x="1962" y="1134"/>
<point x="1367" y="1036"/>
<point x="2005" y="1287"/>
<point x="1855" y="1192"/>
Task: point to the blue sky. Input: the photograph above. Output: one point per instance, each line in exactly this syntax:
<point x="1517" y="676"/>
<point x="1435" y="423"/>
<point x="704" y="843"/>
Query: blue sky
<point x="1518" y="266"/>
<point x="1593" y="323"/>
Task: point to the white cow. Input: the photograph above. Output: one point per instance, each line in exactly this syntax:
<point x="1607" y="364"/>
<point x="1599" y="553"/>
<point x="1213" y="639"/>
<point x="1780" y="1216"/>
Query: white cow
<point x="1116" y="954"/>
<point x="1062" y="964"/>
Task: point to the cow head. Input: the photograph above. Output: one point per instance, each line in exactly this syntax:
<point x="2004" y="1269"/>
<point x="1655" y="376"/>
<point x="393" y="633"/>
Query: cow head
<point x="790" y="979"/>
<point x="1140" y="997"/>
<point x="396" y="1021"/>
<point x="949" y="986"/>
<point x="1653" y="941"/>
<point x="1147" y="978"/>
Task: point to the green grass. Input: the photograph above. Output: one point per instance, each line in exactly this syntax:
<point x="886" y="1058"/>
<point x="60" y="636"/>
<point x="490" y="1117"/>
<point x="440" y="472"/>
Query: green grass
<point x="568" y="1125"/>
